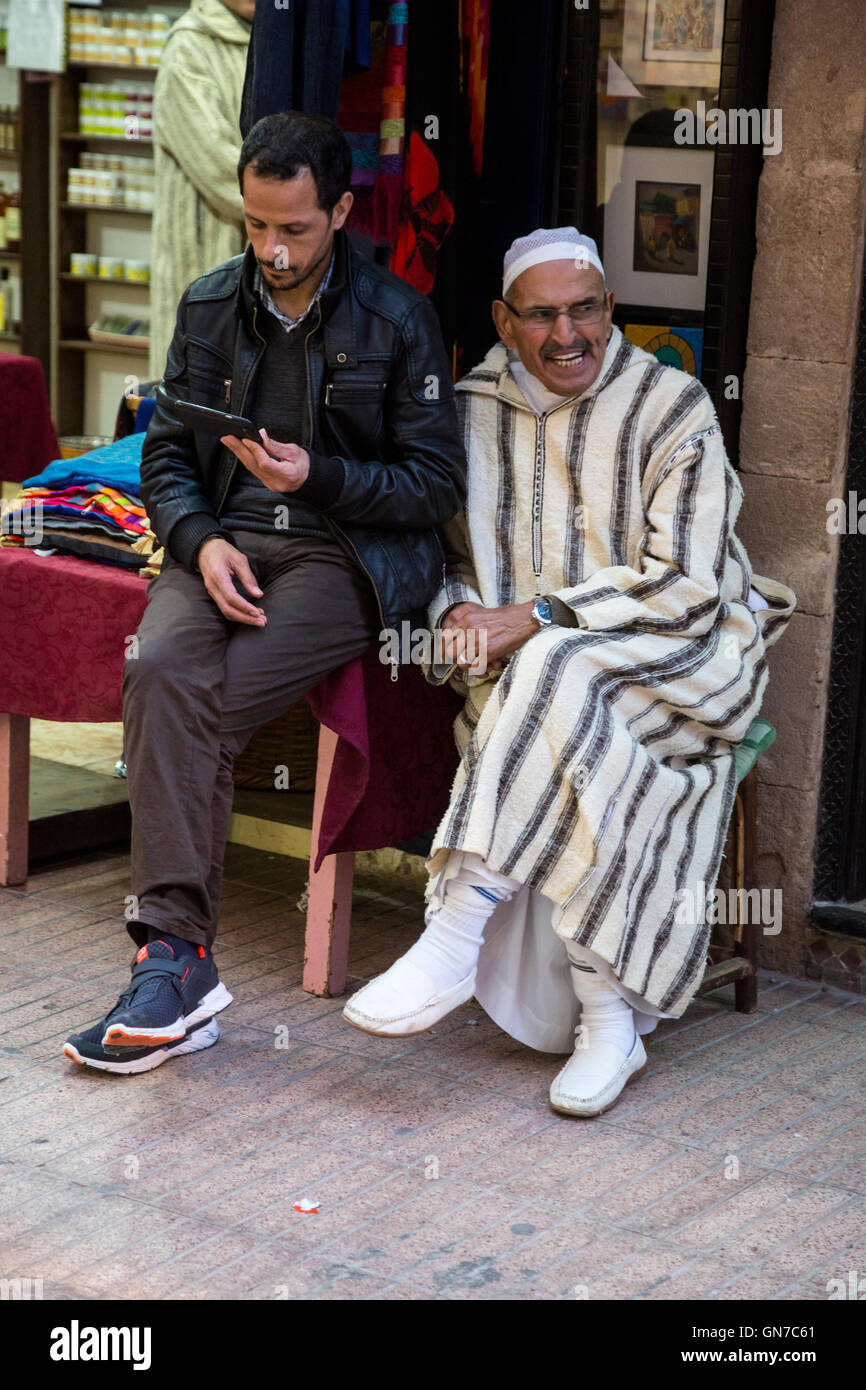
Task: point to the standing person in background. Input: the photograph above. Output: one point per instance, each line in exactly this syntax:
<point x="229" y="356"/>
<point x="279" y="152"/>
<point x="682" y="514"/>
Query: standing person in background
<point x="198" y="212"/>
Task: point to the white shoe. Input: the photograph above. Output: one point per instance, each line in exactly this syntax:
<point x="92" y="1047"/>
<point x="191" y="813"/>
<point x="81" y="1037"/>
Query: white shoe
<point x="404" y="1001"/>
<point x="593" y="1079"/>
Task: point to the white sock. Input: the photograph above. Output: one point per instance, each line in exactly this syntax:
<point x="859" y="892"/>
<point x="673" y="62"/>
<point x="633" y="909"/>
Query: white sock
<point x="604" y="1015"/>
<point x="447" y="950"/>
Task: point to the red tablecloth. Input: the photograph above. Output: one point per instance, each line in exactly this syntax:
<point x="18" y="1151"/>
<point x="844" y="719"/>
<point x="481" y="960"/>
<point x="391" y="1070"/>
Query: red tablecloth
<point x="28" y="442"/>
<point x="63" y="622"/>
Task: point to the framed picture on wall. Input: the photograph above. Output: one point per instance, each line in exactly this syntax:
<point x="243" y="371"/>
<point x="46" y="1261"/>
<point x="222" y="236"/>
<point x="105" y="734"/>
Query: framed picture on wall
<point x="657" y="225"/>
<point x="677" y="347"/>
<point x="673" y="43"/>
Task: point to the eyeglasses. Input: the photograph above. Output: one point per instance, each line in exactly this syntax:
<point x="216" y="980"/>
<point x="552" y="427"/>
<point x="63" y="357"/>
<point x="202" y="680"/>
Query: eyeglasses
<point x="580" y="314"/>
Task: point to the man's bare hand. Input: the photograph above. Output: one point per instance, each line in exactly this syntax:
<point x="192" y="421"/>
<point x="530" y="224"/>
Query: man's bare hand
<point x="454" y="617"/>
<point x="281" y="467"/>
<point x="503" y="630"/>
<point x="219" y="562"/>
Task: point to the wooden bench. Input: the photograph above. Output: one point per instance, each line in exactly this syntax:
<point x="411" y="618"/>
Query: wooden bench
<point x="386" y="750"/>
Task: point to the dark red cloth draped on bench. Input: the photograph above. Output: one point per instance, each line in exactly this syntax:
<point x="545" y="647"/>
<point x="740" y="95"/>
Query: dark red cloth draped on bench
<point x="396" y="758"/>
<point x="63" y="629"/>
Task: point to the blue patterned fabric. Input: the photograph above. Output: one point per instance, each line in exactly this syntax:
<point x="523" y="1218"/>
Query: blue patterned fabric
<point x="117" y="465"/>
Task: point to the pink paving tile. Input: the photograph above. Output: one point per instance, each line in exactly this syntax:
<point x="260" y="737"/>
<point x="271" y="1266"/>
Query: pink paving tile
<point x="438" y="1215"/>
<point x="743" y="1117"/>
<point x="850" y="1175"/>
<point x="359" y="1222"/>
<point x="830" y="1007"/>
<point x="566" y="1265"/>
<point x="800" y="1233"/>
<point x="266" y="1205"/>
<point x="720" y="1038"/>
<point x="84" y="1244"/>
<point x="127" y="1142"/>
<point x="36" y="1204"/>
<point x="823" y="1076"/>
<point x="804" y="1129"/>
<point x="741" y="1204"/>
<point x="655" y="1197"/>
<point x="463" y="1140"/>
<point x="277" y="1274"/>
<point x="655" y="1271"/>
<point x="830" y="1045"/>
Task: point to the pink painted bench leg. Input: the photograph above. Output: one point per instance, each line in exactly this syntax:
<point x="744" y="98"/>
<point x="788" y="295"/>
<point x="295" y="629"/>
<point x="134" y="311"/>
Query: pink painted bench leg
<point x="14" y="797"/>
<point x="329" y="906"/>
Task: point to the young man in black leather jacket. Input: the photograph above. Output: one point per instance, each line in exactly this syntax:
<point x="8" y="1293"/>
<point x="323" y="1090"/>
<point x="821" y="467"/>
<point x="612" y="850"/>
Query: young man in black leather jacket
<point x="282" y="560"/>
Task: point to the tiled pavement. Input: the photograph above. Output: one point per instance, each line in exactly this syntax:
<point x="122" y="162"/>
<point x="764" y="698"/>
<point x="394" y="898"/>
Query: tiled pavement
<point x="735" y="1168"/>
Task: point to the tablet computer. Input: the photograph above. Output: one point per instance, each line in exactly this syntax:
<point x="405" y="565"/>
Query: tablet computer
<point x="219" y="422"/>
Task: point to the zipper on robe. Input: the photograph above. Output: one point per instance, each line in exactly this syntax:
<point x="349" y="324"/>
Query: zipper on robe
<point x="537" y="501"/>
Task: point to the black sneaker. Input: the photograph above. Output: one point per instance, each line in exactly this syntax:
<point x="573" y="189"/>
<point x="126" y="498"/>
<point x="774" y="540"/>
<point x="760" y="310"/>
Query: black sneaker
<point x="86" y="1049"/>
<point x="171" y="991"/>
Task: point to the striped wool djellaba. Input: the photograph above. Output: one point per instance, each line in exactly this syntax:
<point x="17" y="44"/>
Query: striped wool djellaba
<point x="598" y="767"/>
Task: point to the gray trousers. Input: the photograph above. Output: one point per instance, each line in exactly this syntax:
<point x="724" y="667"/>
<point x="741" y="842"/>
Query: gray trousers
<point x="197" y="685"/>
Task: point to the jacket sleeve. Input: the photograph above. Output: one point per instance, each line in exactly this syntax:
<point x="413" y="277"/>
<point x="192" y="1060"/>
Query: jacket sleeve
<point x="422" y="480"/>
<point x="180" y="513"/>
<point x="196" y="122"/>
<point x="692" y="497"/>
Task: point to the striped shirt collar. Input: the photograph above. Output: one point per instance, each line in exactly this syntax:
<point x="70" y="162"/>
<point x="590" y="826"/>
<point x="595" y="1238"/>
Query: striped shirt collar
<point x="266" y="298"/>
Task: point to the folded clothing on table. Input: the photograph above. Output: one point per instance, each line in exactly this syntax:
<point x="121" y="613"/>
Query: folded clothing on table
<point x="90" y="506"/>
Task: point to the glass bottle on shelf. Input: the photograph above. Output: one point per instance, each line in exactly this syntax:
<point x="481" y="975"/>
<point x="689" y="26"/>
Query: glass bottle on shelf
<point x="13" y="221"/>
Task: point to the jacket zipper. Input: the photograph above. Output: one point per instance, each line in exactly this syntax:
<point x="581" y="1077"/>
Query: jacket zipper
<point x="309" y="443"/>
<point x="394" y="667"/>
<point x="228" y="385"/>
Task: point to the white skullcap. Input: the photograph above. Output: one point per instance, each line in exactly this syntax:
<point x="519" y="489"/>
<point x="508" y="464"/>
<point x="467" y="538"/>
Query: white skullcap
<point x="549" y="244"/>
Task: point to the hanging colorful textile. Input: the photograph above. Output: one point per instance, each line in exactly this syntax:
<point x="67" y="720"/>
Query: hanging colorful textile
<point x="435" y="138"/>
<point x="372" y="117"/>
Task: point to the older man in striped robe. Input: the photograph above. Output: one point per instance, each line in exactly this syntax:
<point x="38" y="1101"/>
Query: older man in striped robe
<point x="602" y="620"/>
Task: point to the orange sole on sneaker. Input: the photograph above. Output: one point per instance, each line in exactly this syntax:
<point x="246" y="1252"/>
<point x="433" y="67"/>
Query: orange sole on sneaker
<point x="121" y="1037"/>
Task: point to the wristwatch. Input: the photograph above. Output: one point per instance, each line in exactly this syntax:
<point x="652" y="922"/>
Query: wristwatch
<point x="541" y="612"/>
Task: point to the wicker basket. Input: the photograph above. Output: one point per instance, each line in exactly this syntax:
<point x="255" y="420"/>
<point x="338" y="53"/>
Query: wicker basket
<point x="290" y="741"/>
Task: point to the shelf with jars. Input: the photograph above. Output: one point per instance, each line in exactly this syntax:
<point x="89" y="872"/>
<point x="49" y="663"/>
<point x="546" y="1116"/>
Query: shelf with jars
<point x="102" y="202"/>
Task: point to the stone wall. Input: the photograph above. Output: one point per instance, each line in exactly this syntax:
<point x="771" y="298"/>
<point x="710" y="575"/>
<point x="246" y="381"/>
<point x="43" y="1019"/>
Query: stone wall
<point x="802" y="338"/>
